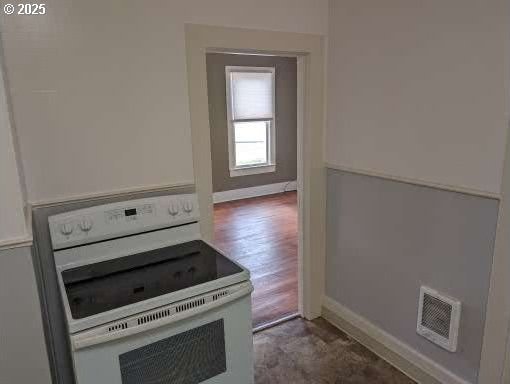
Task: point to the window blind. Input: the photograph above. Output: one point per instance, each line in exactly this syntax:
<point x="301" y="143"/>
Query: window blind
<point x="252" y="95"/>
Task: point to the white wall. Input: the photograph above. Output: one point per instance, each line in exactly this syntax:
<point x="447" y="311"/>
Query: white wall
<point x="419" y="89"/>
<point x="100" y="103"/>
<point x="12" y="219"/>
<point x="23" y="357"/>
<point x="99" y="87"/>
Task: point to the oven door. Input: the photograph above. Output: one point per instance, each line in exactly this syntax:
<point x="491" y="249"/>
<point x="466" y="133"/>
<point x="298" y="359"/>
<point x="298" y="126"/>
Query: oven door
<point x="210" y="342"/>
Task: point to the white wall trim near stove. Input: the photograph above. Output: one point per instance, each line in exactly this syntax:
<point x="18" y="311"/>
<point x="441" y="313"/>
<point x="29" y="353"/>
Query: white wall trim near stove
<point x="20" y="242"/>
<point x="408" y="360"/>
<point x="259" y="190"/>
<point x="118" y="193"/>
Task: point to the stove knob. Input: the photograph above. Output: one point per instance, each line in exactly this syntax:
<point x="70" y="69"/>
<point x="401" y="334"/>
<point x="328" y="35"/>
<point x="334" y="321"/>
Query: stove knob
<point x="85" y="225"/>
<point x="173" y="209"/>
<point x="66" y="229"/>
<point x="187" y="206"/>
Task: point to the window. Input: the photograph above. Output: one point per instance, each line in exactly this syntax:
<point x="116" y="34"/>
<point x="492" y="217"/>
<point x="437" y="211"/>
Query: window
<point x="250" y="114"/>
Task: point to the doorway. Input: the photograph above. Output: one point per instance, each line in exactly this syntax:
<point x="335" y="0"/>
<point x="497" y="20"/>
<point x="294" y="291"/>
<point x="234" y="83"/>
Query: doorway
<point x="308" y="49"/>
<point x="261" y="234"/>
<point x="253" y="123"/>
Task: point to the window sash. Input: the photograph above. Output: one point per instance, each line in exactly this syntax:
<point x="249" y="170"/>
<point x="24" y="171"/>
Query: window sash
<point x="268" y="141"/>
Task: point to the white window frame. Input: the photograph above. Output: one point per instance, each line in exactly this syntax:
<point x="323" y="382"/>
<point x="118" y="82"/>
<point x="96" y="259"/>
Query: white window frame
<point x="270" y="166"/>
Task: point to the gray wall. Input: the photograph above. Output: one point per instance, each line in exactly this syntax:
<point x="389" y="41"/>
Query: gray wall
<point x="23" y="357"/>
<point x="386" y="238"/>
<point x="286" y="120"/>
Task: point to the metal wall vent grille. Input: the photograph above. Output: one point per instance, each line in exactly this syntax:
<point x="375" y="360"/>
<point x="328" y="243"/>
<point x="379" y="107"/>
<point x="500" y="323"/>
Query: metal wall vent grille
<point x="436" y="315"/>
<point x="438" y="318"/>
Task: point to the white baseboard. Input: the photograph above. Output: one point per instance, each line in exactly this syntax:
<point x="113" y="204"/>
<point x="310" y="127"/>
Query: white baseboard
<point x="259" y="190"/>
<point x="417" y="366"/>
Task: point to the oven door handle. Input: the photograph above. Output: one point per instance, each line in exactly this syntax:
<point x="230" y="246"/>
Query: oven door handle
<point x="94" y="337"/>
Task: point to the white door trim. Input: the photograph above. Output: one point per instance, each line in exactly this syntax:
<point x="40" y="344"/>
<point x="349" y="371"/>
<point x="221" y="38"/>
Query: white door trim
<point x="309" y="50"/>
<point x="495" y="359"/>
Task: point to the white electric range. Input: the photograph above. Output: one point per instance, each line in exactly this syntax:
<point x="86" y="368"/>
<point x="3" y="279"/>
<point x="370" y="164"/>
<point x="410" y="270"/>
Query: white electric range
<point x="146" y="300"/>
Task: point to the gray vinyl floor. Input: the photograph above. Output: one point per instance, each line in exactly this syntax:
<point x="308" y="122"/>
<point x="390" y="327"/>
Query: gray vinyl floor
<point x="301" y="351"/>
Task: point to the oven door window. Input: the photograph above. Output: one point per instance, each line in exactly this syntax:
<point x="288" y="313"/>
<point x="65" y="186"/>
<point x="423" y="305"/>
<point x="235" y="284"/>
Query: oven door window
<point x="190" y="357"/>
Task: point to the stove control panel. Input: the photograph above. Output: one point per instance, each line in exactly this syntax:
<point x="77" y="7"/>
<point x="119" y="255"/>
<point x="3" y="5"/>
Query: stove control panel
<point x="121" y="219"/>
<point x="130" y="213"/>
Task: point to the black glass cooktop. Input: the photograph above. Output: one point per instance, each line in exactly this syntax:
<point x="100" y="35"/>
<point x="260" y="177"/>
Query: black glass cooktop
<point x="111" y="284"/>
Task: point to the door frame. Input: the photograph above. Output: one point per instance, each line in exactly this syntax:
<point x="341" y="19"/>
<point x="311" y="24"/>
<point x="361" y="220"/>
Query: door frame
<point x="495" y="357"/>
<point x="309" y="50"/>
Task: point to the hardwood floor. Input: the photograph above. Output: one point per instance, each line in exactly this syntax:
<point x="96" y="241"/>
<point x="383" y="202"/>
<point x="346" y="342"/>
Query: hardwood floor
<point x="261" y="234"/>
